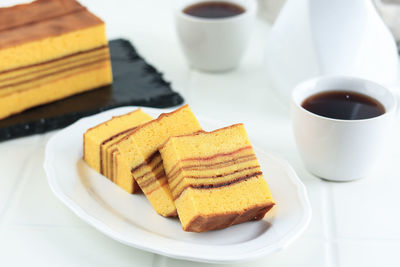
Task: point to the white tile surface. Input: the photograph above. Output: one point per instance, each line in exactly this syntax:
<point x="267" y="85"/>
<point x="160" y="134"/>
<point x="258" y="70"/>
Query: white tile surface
<point x="65" y="246"/>
<point x="22" y="150"/>
<point x="353" y="224"/>
<point x="368" y="253"/>
<point x="303" y="252"/>
<point x="35" y="203"/>
<point x="316" y="193"/>
<point x="369" y="208"/>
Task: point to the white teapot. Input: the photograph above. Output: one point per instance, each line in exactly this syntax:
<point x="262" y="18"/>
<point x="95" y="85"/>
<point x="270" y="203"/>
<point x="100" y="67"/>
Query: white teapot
<point x="322" y="37"/>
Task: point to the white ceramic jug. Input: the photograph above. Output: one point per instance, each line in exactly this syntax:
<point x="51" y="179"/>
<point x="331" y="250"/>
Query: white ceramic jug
<point x="318" y="37"/>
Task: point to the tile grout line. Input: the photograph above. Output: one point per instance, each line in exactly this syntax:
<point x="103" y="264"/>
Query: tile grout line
<point x="330" y="232"/>
<point x="18" y="186"/>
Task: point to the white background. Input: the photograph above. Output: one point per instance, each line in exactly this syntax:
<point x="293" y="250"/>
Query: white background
<point x="353" y="224"/>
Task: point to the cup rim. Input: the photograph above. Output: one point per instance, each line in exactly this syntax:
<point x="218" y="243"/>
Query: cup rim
<point x="388" y="111"/>
<point x="250" y="9"/>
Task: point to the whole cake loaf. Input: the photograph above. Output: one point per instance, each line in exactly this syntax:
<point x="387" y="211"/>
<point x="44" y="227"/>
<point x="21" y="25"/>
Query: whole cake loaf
<point x="215" y="179"/>
<point x="49" y="50"/>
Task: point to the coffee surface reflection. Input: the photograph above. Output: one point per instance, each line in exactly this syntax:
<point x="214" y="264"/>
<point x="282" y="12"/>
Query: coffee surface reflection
<point x="214" y="10"/>
<point x="344" y="105"/>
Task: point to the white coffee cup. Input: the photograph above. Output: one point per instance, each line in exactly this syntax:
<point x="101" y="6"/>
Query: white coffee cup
<point x="341" y="150"/>
<point x="215" y="44"/>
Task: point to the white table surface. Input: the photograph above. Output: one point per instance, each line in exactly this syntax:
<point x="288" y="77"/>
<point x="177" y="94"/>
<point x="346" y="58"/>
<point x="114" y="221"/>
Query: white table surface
<point x="353" y="224"/>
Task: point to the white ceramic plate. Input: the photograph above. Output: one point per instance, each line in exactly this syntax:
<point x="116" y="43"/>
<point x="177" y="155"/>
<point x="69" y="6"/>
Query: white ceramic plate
<point x="131" y="220"/>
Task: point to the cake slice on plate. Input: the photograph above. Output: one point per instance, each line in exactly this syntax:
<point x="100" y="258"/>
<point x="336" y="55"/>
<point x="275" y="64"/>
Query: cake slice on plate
<point x="215" y="179"/>
<point x="138" y="154"/>
<point x="50" y="50"/>
<point x="100" y="144"/>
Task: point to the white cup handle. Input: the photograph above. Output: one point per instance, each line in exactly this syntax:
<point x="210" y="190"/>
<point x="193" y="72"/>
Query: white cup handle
<point x="396" y="92"/>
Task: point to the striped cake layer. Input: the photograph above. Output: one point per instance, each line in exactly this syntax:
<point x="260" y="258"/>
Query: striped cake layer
<point x="100" y="144"/>
<point x="30" y="77"/>
<point x="108" y="147"/>
<point x="211" y="172"/>
<point x="114" y="169"/>
<point x="139" y="151"/>
<point x="150" y="175"/>
<point x="51" y="89"/>
<point x="215" y="179"/>
<point x="151" y="178"/>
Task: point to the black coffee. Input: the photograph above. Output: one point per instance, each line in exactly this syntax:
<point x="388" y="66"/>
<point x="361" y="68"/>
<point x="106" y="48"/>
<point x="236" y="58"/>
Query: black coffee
<point x="214" y="10"/>
<point x="344" y="105"/>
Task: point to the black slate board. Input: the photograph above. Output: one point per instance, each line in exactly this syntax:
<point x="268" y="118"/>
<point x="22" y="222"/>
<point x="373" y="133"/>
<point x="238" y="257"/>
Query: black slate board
<point x="135" y="83"/>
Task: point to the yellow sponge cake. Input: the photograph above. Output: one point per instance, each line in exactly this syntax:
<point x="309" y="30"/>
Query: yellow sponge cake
<point x="215" y="179"/>
<point x="50" y="50"/>
<point x="100" y="145"/>
<point x="138" y="153"/>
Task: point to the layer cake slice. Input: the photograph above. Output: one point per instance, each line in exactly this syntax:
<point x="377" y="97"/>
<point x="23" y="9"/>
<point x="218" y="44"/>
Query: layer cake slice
<point x="215" y="179"/>
<point x="100" y="145"/>
<point x="139" y="155"/>
<point x="50" y="49"/>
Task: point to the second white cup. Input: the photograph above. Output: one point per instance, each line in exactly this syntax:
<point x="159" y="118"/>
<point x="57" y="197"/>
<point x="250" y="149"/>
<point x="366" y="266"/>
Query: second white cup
<point x="215" y="44"/>
<point x="337" y="149"/>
